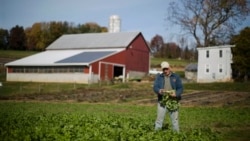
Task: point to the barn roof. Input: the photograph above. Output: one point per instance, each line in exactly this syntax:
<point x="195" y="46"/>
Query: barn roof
<point x="64" y="57"/>
<point x="93" y="40"/>
<point x="79" y="49"/>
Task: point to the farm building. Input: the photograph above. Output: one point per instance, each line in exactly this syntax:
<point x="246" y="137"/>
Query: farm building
<point x="85" y="58"/>
<point x="191" y="72"/>
<point x="214" y="64"/>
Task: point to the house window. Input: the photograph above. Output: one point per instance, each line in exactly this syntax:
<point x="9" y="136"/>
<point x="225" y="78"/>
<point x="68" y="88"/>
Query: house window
<point x="207" y="68"/>
<point x="220" y="53"/>
<point x="220" y="68"/>
<point x="207" y="53"/>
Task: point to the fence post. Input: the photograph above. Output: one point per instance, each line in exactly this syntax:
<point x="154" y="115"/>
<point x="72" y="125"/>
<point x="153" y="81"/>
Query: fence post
<point x="20" y="87"/>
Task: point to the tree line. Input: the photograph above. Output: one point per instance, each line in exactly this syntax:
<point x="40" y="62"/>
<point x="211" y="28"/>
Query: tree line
<point x="40" y="35"/>
<point x="171" y="50"/>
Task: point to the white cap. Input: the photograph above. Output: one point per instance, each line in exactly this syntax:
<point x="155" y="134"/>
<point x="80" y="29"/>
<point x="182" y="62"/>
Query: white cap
<point x="164" y="64"/>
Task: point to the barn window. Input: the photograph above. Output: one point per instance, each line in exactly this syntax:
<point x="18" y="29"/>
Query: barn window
<point x="71" y="69"/>
<point x="48" y="69"/>
<point x="41" y="70"/>
<point x="18" y="69"/>
<point x="220" y="68"/>
<point x="27" y="70"/>
<point x="220" y="53"/>
<point x="32" y="69"/>
<point x="207" y="68"/>
<point x="207" y="53"/>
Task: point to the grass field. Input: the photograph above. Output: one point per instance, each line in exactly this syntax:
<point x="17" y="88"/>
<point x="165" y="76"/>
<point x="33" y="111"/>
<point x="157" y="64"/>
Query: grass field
<point x="15" y="54"/>
<point x="173" y="62"/>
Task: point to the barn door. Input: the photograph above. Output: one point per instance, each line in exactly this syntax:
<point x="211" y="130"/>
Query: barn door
<point x="106" y="72"/>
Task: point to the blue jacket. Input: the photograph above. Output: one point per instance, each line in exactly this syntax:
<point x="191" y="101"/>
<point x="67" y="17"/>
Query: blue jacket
<point x="175" y="81"/>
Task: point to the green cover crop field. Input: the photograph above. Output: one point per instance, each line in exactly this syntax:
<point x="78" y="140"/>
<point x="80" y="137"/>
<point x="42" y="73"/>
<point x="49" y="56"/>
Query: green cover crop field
<point x="117" y="122"/>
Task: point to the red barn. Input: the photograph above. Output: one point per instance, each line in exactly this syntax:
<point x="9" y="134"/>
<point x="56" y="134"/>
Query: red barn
<point x="85" y="58"/>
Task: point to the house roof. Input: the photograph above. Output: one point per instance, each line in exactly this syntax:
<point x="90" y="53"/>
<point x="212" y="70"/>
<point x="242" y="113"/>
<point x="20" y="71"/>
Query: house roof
<point x="193" y="67"/>
<point x="215" y="47"/>
<point x="64" y="57"/>
<point x="93" y="40"/>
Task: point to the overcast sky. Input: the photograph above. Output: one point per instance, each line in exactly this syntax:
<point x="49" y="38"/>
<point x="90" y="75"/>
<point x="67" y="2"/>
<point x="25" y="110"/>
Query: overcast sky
<point x="146" y="16"/>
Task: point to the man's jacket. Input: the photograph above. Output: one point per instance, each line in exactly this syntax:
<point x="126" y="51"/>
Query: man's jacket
<point x="175" y="82"/>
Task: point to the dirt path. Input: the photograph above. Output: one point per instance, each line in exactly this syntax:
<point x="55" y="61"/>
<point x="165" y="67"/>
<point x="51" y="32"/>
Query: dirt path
<point x="146" y="97"/>
<point x="215" y="98"/>
<point x="208" y="98"/>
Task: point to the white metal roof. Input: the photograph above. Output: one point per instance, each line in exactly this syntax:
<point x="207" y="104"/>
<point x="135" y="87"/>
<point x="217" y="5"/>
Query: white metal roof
<point x="192" y="67"/>
<point x="57" y="57"/>
<point x="93" y="40"/>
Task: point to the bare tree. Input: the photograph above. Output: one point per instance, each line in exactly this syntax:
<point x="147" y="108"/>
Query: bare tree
<point x="210" y="22"/>
<point x="183" y="43"/>
<point x="156" y="45"/>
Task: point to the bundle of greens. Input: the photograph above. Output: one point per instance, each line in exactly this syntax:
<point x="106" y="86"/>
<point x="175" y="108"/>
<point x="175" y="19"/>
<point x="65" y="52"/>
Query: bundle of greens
<point x="171" y="103"/>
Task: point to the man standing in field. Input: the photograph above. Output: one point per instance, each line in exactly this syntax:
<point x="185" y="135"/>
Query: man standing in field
<point x="168" y="87"/>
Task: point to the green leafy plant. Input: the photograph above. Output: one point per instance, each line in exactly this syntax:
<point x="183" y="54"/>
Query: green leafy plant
<point x="28" y="121"/>
<point x="170" y="102"/>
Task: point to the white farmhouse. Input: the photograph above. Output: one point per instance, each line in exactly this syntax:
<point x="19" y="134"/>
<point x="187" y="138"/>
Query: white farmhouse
<point x="214" y="64"/>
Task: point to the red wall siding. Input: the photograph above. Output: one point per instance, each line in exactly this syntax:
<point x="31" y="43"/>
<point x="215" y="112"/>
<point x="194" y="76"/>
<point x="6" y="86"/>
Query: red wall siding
<point x="117" y="58"/>
<point x="10" y="70"/>
<point x="86" y="70"/>
<point x="95" y="67"/>
<point x="135" y="57"/>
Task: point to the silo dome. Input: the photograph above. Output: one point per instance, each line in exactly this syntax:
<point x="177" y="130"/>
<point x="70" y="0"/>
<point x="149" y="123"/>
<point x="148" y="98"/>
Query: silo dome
<point x="114" y="23"/>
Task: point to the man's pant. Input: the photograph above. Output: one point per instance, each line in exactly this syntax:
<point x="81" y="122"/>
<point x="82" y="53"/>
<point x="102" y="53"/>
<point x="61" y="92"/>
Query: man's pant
<point x="161" y="112"/>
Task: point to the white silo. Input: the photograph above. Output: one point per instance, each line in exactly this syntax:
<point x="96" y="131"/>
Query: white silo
<point x="114" y="23"/>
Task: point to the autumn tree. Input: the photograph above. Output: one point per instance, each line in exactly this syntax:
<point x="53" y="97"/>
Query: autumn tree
<point x="210" y="22"/>
<point x="34" y="37"/>
<point x="241" y="53"/>
<point x="40" y="35"/>
<point x="91" y="27"/>
<point x="171" y="50"/>
<point x="37" y="36"/>
<point x="17" y="40"/>
<point x="104" y="29"/>
<point x="55" y="30"/>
